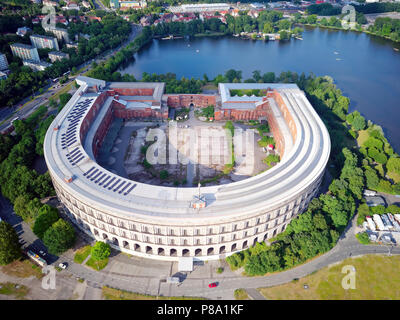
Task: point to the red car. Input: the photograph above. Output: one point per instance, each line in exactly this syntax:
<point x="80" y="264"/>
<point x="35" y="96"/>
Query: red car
<point x="212" y="284"/>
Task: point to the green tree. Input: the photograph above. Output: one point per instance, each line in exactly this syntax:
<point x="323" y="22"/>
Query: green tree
<point x="371" y="177"/>
<point x="100" y="251"/>
<point x="359" y="123"/>
<point x="385" y="186"/>
<point x="363" y="211"/>
<point x="9" y="245"/>
<point x="20" y="206"/>
<point x="64" y="98"/>
<point x="46" y="218"/>
<point x="59" y="237"/>
<point x="393" y="165"/>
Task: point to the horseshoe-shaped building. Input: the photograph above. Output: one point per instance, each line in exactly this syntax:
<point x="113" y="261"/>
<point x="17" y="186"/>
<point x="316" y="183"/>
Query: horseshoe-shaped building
<point x="165" y="222"/>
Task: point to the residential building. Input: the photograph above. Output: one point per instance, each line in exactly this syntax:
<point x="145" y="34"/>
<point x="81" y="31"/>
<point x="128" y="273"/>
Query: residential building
<point x="36" y="65"/>
<point x="24" y="51"/>
<point x="201" y="7"/>
<point x="71" y="6"/>
<point x="3" y="62"/>
<point x="23" y="31"/>
<point x="44" y="42"/>
<point x="72" y="45"/>
<point x="60" y="33"/>
<point x="128" y="4"/>
<point x="57" y="56"/>
<point x="86" y="4"/>
<point x="257" y="5"/>
<point x="52" y="3"/>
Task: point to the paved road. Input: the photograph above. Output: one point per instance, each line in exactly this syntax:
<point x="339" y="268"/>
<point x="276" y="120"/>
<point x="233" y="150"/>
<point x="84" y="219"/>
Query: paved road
<point x="254" y="294"/>
<point x="149" y="276"/>
<point x="99" y="5"/>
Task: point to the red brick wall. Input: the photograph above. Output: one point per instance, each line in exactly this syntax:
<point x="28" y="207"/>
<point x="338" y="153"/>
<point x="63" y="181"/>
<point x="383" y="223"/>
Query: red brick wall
<point x="184" y="100"/>
<point x="102" y="131"/>
<point x="92" y="114"/>
<point x="286" y="114"/>
<point x="273" y="125"/>
<point x="236" y="114"/>
<point x="133" y="92"/>
<point x="120" y="111"/>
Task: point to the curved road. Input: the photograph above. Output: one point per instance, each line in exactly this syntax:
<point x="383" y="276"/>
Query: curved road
<point x="153" y="282"/>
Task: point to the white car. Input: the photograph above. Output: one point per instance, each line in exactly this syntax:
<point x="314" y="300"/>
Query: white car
<point x="63" y="265"/>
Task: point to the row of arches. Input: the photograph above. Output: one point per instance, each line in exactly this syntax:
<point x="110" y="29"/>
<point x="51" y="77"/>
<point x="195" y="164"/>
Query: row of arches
<point x="181" y="252"/>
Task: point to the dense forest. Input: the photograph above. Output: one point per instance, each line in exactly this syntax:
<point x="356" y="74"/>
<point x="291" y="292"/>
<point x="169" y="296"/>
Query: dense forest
<point x="386" y="27"/>
<point x="323" y="9"/>
<point x="378" y="7"/>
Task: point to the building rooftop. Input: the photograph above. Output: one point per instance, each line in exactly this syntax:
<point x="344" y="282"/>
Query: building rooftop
<point x="58" y="53"/>
<point x="68" y="154"/>
<point x="158" y="87"/>
<point x="22" y="45"/>
<point x="42" y="37"/>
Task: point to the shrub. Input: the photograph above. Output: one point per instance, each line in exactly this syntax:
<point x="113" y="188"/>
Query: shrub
<point x="100" y="251"/>
<point x="363" y="238"/>
<point x="164" y="174"/>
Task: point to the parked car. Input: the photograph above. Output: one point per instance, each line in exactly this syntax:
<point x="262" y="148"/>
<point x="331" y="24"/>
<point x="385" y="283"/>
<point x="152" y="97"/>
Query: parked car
<point x="212" y="284"/>
<point x="63" y="265"/>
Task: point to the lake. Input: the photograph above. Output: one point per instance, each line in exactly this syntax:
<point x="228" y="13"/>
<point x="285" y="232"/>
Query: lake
<point x="364" y="67"/>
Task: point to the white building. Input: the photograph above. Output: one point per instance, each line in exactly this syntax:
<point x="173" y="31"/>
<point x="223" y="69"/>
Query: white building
<point x="201" y="7"/>
<point x="36" y="65"/>
<point x="23" y="31"/>
<point x="3" y="62"/>
<point x="60" y="33"/>
<point x="24" y="51"/>
<point x="57" y="56"/>
<point x="71" y="6"/>
<point x="162" y="222"/>
<point x="44" y="42"/>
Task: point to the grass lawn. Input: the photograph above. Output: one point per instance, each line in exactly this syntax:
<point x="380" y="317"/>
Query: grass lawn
<point x="379" y="168"/>
<point x="362" y="137"/>
<point x="241" y="294"/>
<point x="22" y="268"/>
<point x="81" y="254"/>
<point x="9" y="288"/>
<point x="395" y="176"/>
<point x="377" y="277"/>
<point x="68" y="87"/>
<point x="115" y="294"/>
<point x="97" y="265"/>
